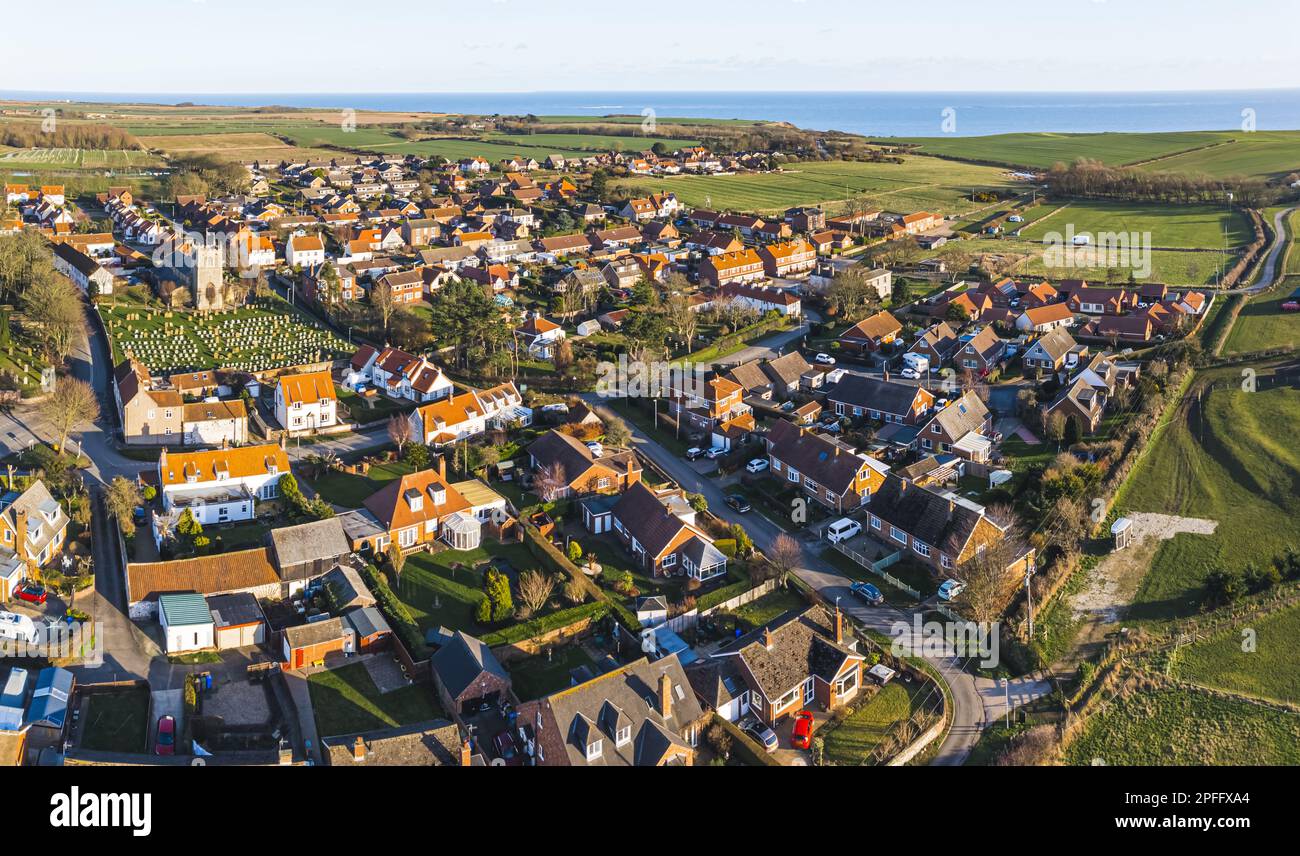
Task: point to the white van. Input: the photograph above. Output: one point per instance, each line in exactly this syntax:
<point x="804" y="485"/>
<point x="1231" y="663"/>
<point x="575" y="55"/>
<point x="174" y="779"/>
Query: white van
<point x="842" y="530"/>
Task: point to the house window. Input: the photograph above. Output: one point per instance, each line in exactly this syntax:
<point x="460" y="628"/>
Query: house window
<point x="792" y="474"/>
<point x="776" y="465"/>
<point x="897" y="534"/>
<point x="786" y="700"/>
<point x="875" y="522"/>
<point x="807" y="691"/>
<point x="945" y="562"/>
<point x="755" y="702"/>
<point x="406" y="537"/>
<point x="847" y="684"/>
<point x="669" y="560"/>
<point x="624" y="736"/>
<point x="594" y="749"/>
<point x="602" y="483"/>
<point x="923" y="549"/>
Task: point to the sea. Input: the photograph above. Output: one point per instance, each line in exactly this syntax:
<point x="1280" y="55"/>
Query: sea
<point x="876" y="114"/>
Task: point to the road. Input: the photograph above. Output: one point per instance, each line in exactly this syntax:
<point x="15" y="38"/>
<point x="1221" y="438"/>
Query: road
<point x="1269" y="273"/>
<point x="976" y="700"/>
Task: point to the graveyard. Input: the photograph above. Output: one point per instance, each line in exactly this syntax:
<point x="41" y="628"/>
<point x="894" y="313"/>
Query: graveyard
<point x="265" y="334"/>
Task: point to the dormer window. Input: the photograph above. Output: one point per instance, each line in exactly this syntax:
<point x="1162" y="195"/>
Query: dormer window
<point x="624" y="736"/>
<point x="415" y="500"/>
<point x="438" y="495"/>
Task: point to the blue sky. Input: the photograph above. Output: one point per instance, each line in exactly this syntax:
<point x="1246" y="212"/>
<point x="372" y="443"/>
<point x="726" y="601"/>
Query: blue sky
<point x="197" y="46"/>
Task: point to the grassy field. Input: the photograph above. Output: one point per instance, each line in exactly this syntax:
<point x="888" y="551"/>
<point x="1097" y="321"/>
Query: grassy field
<point x="1270" y="671"/>
<point x="1262" y="324"/>
<point x="1216" y="153"/>
<point x="117" y="722"/>
<point x="346" y="700"/>
<point x="918" y="183"/>
<point x="1173" y="226"/>
<point x="853" y="740"/>
<point x="1171" y="727"/>
<point x="1174" y="267"/>
<point x="350" y="491"/>
<point x="1230" y="460"/>
<point x="544" y="674"/>
<point x="266" y="335"/>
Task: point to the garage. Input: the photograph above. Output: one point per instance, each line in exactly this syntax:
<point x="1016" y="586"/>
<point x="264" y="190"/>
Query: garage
<point x="238" y="620"/>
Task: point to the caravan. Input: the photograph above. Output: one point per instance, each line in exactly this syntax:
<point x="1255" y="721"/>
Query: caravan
<point x="17" y="628"/>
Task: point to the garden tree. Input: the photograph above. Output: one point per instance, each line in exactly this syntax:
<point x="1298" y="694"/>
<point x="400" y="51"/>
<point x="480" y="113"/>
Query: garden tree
<point x="497" y="587"/>
<point x="683" y="320"/>
<point x="719" y="740"/>
<point x="992" y="575"/>
<point x="646" y="332"/>
<point x="535" y="590"/>
<point x="465" y="319"/>
<point x="72" y="403"/>
<point x="744" y="544"/>
<point x="383" y="302"/>
<point x="851" y="295"/>
<point x="784" y="555"/>
<point x="417" y="455"/>
<point x="23" y="257"/>
<point x="1054" y="426"/>
<point x="956" y="315"/>
<point x="574" y="551"/>
<point x="54" y="309"/>
<point x="599" y="183"/>
<point x="210" y="172"/>
<point x="489" y="456"/>
<point x="188" y="527"/>
<point x="396" y="561"/>
<point x="331" y="287"/>
<point x="698" y="501"/>
<point x="563" y="355"/>
<point x="617" y="433"/>
<point x="1073" y="431"/>
<point x="399" y="430"/>
<point x="549" y="481"/>
<point x="644" y="293"/>
<point x="121" y="498"/>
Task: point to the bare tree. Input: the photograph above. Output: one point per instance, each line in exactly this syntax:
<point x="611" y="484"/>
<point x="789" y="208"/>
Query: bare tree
<point x="549" y="480"/>
<point x="535" y="590"/>
<point x="70" y="404"/>
<point x="784" y="555"/>
<point x="683" y="319"/>
<point x="381" y="298"/>
<point x="994" y="573"/>
<point x="399" y="430"/>
<point x="121" y="498"/>
<point x="396" y="560"/>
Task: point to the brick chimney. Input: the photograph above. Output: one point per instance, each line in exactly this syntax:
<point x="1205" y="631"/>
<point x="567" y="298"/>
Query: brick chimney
<point x="767" y="638"/>
<point x="665" y="696"/>
<point x="359" y="750"/>
<point x="162" y="460"/>
<point x="284" y="440"/>
<point x="20" y="522"/>
<point x="839" y="626"/>
<point x="442" y="467"/>
<point x="466" y="753"/>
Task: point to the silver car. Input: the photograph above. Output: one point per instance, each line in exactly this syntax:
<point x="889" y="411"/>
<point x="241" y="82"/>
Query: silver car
<point x="760" y="732"/>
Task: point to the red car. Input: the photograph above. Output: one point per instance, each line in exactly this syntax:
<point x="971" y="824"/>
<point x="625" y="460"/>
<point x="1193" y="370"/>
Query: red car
<point x="165" y="743"/>
<point x="31" y="592"/>
<point x="801" y="737"/>
<point x="1291" y="306"/>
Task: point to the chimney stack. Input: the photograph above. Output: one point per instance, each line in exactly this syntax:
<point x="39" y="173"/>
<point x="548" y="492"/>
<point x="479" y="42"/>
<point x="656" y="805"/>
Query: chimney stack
<point x="20" y="521"/>
<point x="839" y="626"/>
<point x="359" y="750"/>
<point x="665" y="696"/>
<point x="767" y="638"/>
<point x="442" y="467"/>
<point x="466" y="753"/>
<point x="284" y="439"/>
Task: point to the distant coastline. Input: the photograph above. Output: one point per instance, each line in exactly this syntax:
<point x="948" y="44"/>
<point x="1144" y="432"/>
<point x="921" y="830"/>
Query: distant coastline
<point x="876" y="114"/>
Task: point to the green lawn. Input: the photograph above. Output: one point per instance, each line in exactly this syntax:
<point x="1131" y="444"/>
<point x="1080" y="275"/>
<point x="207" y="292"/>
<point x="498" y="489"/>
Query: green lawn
<point x="369" y="410"/>
<point x="1236" y="464"/>
<point x="117" y="721"/>
<point x="919" y="183"/>
<point x="443" y="588"/>
<point x="542" y="675"/>
<point x="1176" y="226"/>
<point x="853" y="740"/>
<point x="1271" y="670"/>
<point x="770" y="606"/>
<point x="1262" y="325"/>
<point x="350" y="491"/>
<point x="1173" y="727"/>
<point x="346" y="700"/>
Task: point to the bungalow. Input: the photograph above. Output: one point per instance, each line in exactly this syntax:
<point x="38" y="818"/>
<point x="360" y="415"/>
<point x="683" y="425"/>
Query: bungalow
<point x="880" y="400"/>
<point x="306" y="402"/>
<point x="1124" y="328"/>
<point x="830" y="473"/>
<point x="621" y="236"/>
<point x="1043" y="319"/>
<point x="800" y="659"/>
<point x="786" y="373"/>
<point x="763" y="298"/>
<point x="659" y="530"/>
<point x="871" y="334"/>
<point x="964" y="427"/>
<point x="1103" y="301"/>
<point x="564" y="467"/>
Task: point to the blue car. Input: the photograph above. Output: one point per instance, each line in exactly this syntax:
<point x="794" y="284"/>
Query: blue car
<point x="868" y="592"/>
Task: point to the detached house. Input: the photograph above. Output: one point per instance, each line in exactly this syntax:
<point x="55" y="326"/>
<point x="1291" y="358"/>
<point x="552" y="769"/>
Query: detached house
<point x="871" y="334"/>
<point x="980" y="353"/>
<point x="1050" y="352"/>
<point x="1044" y="319"/>
<point x="964" y="427"/>
<point x="796" y="661"/>
<point x="304" y="251"/>
<point x="402" y="375"/>
<point x="306" y="402"/>
<point x="828" y="472"/>
<point x="220" y="486"/>
<point x="660" y="532"/>
<point x="539" y="337"/>
<point x="937" y="344"/>
<point x="33" y="528"/>
<point x="411" y="510"/>
<point x="579" y="470"/>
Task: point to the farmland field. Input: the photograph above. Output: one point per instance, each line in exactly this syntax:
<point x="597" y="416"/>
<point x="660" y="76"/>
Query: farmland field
<point x="1175" y="267"/>
<point x="1270" y="671"/>
<point x="75" y="159"/>
<point x="1217" y="153"/>
<point x="916" y="184"/>
<point x="1184" y="727"/>
<point x="1228" y="460"/>
<point x="1262" y="325"/>
<point x="1176" y="226"/>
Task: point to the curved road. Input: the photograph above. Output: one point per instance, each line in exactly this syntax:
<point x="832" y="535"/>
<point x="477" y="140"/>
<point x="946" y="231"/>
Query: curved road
<point x="1280" y="241"/>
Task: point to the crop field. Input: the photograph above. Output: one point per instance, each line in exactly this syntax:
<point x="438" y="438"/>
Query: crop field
<point x="253" y="338"/>
<point x="1184" y="727"/>
<point x="1175" y="267"/>
<point x="1216" y="153"/>
<point x="1230" y="459"/>
<point x="1173" y="226"/>
<point x="239" y="146"/>
<point x="914" y="185"/>
<point x="1269" y="670"/>
<point x="75" y="159"/>
<point x="589" y="142"/>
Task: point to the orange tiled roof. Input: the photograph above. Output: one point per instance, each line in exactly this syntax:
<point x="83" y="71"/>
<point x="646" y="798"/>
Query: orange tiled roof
<point x="236" y="463"/>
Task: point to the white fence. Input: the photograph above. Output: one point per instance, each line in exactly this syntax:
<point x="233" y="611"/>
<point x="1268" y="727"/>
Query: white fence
<point x="878" y="568"/>
<point x="687" y="620"/>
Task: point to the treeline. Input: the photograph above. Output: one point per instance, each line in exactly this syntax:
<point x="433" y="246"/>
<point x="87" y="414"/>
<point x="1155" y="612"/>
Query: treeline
<point x="205" y="174"/>
<point x="27" y="135"/>
<point x="1093" y="179"/>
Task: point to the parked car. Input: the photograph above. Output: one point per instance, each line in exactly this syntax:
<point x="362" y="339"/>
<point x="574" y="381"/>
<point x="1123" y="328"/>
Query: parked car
<point x="694" y="453"/>
<point x="842" y="530"/>
<point x="596" y="449"/>
<point x="715" y="452"/>
<point x="738" y="502"/>
<point x="31" y="592"/>
<point x="507" y="751"/>
<point x="757" y="465"/>
<point x="801" y="736"/>
<point x="950" y="589"/>
<point x="910" y="374"/>
<point x="763" y="734"/>
<point x="165" y="742"/>
<point x="824" y="359"/>
<point x="868" y="592"/>
<point x="1291" y="306"/>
